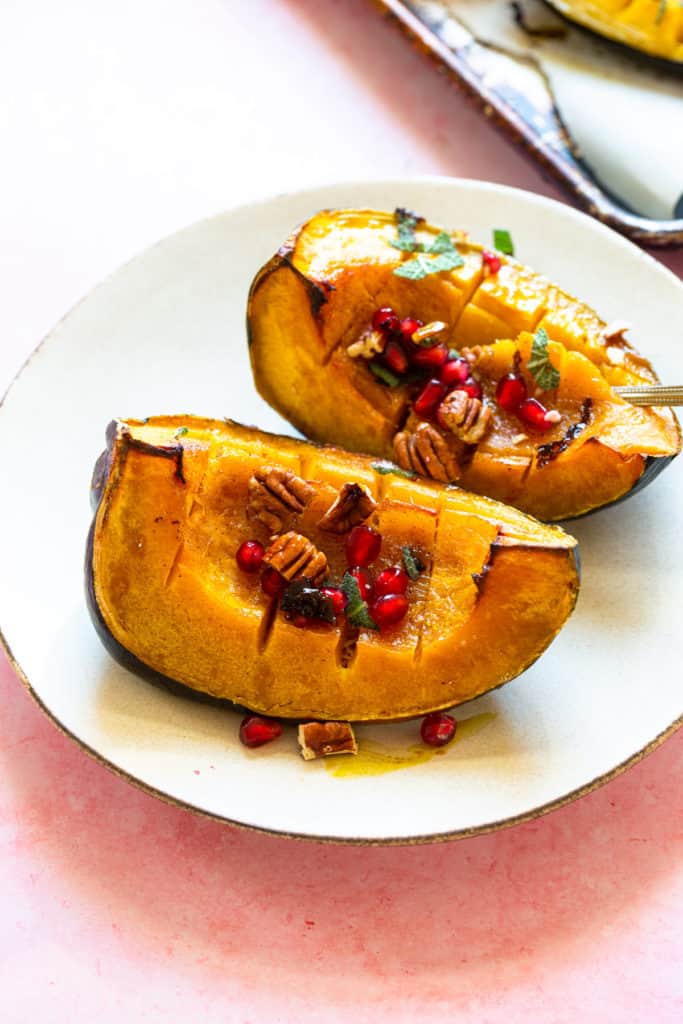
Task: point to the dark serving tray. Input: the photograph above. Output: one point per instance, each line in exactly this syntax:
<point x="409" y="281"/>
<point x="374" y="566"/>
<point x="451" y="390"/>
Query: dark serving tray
<point x="525" y="114"/>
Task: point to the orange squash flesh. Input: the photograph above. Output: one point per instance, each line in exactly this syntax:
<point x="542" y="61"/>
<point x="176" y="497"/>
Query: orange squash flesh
<point x="168" y="596"/>
<point x="317" y="296"/>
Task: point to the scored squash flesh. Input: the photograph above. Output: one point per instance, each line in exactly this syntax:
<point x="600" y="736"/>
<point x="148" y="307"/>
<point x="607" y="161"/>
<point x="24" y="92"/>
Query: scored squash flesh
<point x="315" y="299"/>
<point x="168" y="596"/>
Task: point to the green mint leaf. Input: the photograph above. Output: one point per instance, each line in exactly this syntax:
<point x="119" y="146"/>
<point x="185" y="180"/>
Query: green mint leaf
<point x="442" y="243"/>
<point x="181" y="431"/>
<point x="386" y="467"/>
<point x="406" y="245"/>
<point x="414" y="269"/>
<point x="539" y="365"/>
<point x="386" y="376"/>
<point x="446" y="261"/>
<point x="414" y="565"/>
<point x="421" y="266"/>
<point x="453" y="354"/>
<point x="356" y="610"/>
<point x="502" y="240"/>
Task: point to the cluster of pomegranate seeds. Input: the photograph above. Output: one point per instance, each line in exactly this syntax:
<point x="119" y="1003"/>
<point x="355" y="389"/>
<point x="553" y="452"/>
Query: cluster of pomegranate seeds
<point x="384" y="599"/>
<point x="440" y="368"/>
<point x="511" y="395"/>
<point x="255" y="730"/>
<point x="438" y="729"/>
<point x="249" y="556"/>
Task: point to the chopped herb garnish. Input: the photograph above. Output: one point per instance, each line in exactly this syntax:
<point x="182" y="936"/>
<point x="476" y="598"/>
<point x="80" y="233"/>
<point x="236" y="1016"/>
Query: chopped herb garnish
<point x="386" y="467"/>
<point x="661" y="11"/>
<point x="181" y="431"/>
<point x="453" y="354"/>
<point x="406" y="222"/>
<point x="414" y="565"/>
<point x="539" y="365"/>
<point x="502" y="240"/>
<point x="356" y="610"/>
<point x="386" y="376"/>
<point x="445" y="255"/>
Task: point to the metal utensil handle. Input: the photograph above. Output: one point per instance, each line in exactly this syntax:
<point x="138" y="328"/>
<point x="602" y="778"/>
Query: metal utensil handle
<point x="652" y="394"/>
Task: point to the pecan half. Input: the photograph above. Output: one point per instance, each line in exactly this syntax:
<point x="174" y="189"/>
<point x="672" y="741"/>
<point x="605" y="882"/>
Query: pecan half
<point x="370" y="343"/>
<point x="274" y="493"/>
<point x="352" y="505"/>
<point x="468" y="418"/>
<point x="294" y="555"/>
<point x="427" y="452"/>
<point x="320" y="739"/>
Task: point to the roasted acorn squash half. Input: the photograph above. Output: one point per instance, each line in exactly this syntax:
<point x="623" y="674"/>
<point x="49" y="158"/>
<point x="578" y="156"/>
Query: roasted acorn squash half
<point x="317" y="358"/>
<point x="175" y="497"/>
<point x="654" y="27"/>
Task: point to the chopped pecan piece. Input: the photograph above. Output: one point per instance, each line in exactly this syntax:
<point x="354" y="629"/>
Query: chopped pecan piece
<point x="371" y="343"/>
<point x="275" y="492"/>
<point x="294" y="555"/>
<point x="320" y="739"/>
<point x="427" y="452"/>
<point x="428" y="331"/>
<point x="352" y="505"/>
<point x="472" y="355"/>
<point x="467" y="418"/>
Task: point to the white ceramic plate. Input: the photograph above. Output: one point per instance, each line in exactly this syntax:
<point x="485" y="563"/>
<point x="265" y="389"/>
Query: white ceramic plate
<point x="166" y="334"/>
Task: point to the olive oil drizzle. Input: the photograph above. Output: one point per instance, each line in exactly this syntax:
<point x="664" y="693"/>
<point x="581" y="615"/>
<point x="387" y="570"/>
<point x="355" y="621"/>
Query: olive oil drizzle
<point x="375" y="758"/>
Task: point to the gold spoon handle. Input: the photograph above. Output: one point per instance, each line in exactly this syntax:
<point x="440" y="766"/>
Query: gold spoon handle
<point x="652" y="394"/>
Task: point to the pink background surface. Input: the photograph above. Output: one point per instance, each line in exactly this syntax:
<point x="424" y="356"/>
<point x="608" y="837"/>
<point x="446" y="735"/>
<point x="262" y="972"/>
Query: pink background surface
<point x="127" y="122"/>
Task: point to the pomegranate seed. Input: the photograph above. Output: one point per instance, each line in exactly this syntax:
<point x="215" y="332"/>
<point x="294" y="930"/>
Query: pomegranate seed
<point x="256" y="730"/>
<point x="364" y="582"/>
<point x="363" y="545"/>
<point x="429" y="398"/>
<point x="390" y="581"/>
<point x="250" y="555"/>
<point x="471" y="386"/>
<point x="395" y="358"/>
<point x="492" y="262"/>
<point x="455" y="371"/>
<point x="438" y="729"/>
<point x="408" y="326"/>
<point x="385" y="320"/>
<point x="337" y="597"/>
<point x="389" y="609"/>
<point x="272" y="583"/>
<point x="511" y="392"/>
<point x="430" y="358"/>
<point x="534" y="413"/>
